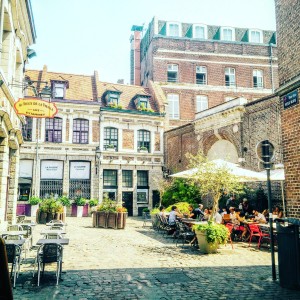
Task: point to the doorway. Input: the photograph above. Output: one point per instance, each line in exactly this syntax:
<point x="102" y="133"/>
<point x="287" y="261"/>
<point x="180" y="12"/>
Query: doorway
<point x="127" y="199"/>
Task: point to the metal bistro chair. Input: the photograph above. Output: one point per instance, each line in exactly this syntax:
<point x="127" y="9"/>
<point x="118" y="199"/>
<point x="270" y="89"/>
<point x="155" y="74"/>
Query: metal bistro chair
<point x="49" y="253"/>
<point x="14" y="228"/>
<point x="256" y="231"/>
<point x="55" y="227"/>
<point x="20" y="218"/>
<point x="28" y="235"/>
<point x="52" y="236"/>
<point x="14" y="258"/>
<point x="184" y="232"/>
<point x="147" y="219"/>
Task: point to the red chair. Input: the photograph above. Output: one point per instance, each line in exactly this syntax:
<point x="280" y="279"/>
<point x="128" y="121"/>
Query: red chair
<point x="230" y="228"/>
<point x="256" y="231"/>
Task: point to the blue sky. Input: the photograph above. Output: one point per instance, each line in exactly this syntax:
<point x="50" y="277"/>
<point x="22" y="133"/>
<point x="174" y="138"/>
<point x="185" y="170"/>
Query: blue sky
<point x="75" y="36"/>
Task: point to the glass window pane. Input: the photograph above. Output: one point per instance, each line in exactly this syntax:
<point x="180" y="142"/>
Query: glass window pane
<point x="142" y="179"/>
<point x="110" y="178"/>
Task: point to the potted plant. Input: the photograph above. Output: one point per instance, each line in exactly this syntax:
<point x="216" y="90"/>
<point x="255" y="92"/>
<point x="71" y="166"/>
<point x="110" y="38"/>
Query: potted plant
<point x="110" y="147"/>
<point x="210" y="236"/>
<point x="143" y="149"/>
<point x="121" y="217"/>
<point x="80" y="202"/>
<point x="65" y="201"/>
<point x="212" y="180"/>
<point x="50" y="209"/>
<point x="34" y="202"/>
<point x="93" y="204"/>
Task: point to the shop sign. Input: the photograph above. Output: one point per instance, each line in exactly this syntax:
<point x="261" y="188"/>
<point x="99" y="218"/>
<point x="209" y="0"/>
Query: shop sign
<point x="26" y="166"/>
<point x="35" y="108"/>
<point x="52" y="169"/>
<point x="290" y="99"/>
<point x="79" y="170"/>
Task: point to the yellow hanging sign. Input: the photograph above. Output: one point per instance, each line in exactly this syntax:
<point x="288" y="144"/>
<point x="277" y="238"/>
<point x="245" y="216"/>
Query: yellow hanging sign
<point x="36" y="108"/>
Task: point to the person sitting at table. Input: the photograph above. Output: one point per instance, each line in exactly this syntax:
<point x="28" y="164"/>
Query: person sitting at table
<point x="232" y="214"/>
<point x="206" y="214"/>
<point x="193" y="213"/>
<point x="200" y="211"/>
<point x="277" y="213"/>
<point x="223" y="212"/>
<point x="173" y="216"/>
<point x="246" y="207"/>
<point x="162" y="211"/>
<point x="258" y="217"/>
<point x="217" y="218"/>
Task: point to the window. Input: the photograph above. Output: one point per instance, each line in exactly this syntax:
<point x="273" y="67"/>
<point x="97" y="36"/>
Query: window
<point x="199" y="31"/>
<point x="229" y="77"/>
<point x="228" y="34"/>
<point x="142" y="179"/>
<point x="27" y="130"/>
<point x="144" y="139"/>
<point x="142" y="196"/>
<point x="174" y="29"/>
<point x="173" y="100"/>
<point x="59" y="90"/>
<point x="201" y="103"/>
<point x="112" y="98"/>
<point x="201" y="74"/>
<point x="127" y="178"/>
<point x="110" y="138"/>
<point x="172" y="73"/>
<point x="80" y="131"/>
<point x="110" y="178"/>
<point x="258" y="79"/>
<point x="143" y="102"/>
<point x="54" y="130"/>
<point x="255" y="36"/>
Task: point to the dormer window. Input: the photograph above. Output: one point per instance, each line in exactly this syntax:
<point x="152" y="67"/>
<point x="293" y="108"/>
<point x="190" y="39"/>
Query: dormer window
<point x="227" y="34"/>
<point x="199" y="31"/>
<point x="255" y="36"/>
<point x="59" y="89"/>
<point x="112" y="98"/>
<point x="174" y="29"/>
<point x="142" y="102"/>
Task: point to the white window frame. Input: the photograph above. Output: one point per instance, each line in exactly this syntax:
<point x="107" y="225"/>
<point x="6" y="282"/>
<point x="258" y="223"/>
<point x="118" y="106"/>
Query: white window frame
<point x="179" y="29"/>
<point x="60" y="87"/>
<point x="172" y="99"/>
<point x="261" y="75"/>
<point x="194" y="31"/>
<point x="260" y="36"/>
<point x="172" y="68"/>
<point x="223" y="35"/>
<point x="201" y="103"/>
<point x="230" y="73"/>
<point x="144" y="191"/>
<point x="201" y="70"/>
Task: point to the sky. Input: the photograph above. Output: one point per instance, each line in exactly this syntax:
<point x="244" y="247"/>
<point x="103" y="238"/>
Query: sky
<point x="80" y="37"/>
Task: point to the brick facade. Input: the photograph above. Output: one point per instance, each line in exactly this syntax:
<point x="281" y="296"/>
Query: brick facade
<point x="287" y="15"/>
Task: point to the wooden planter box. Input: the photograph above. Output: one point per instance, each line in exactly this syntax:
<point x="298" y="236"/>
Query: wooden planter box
<point x="121" y="220"/>
<point x="100" y="219"/>
<point x="112" y="220"/>
<point x="43" y="218"/>
<point x="109" y="220"/>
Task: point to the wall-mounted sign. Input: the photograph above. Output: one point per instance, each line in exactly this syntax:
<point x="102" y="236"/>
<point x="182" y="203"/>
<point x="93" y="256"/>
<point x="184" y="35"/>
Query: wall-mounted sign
<point x="52" y="169"/>
<point x="290" y="99"/>
<point x="36" y="108"/>
<point x="79" y="170"/>
<point x="26" y="166"/>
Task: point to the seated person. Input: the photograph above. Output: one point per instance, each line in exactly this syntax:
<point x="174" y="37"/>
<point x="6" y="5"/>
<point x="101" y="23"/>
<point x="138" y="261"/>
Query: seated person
<point x="224" y="211"/>
<point x="173" y="215"/>
<point x="200" y="211"/>
<point x="258" y="217"/>
<point x="162" y="211"/>
<point x="232" y="214"/>
<point x="193" y="213"/>
<point x="277" y="213"/>
<point x="217" y="217"/>
<point x="206" y="214"/>
<point x="246" y="207"/>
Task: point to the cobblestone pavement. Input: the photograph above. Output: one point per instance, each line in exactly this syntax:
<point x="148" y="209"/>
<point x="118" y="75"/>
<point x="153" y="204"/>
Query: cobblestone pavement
<point x="140" y="263"/>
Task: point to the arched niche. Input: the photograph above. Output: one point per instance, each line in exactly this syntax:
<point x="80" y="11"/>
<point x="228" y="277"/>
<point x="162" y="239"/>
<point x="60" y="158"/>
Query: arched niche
<point x="223" y="149"/>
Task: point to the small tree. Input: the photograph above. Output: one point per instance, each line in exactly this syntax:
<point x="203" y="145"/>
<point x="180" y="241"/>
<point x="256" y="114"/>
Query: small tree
<point x="212" y="179"/>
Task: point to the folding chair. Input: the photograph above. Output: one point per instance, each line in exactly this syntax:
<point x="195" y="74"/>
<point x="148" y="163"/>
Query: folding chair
<point x="256" y="231"/>
<point x="49" y="253"/>
<point x="13" y="253"/>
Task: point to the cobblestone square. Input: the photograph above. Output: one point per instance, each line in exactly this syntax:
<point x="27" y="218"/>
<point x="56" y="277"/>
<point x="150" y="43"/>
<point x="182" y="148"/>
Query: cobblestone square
<point x="135" y="263"/>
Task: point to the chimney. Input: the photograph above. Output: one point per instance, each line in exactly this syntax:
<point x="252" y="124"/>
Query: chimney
<point x="135" y="55"/>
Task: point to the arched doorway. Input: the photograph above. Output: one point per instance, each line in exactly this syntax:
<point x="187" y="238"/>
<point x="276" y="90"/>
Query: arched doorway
<point x="223" y="149"/>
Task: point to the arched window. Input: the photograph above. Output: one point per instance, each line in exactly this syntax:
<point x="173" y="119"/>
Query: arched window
<point x="80" y="131"/>
<point x="143" y="140"/>
<point x="54" y="130"/>
<point x="110" y="138"/>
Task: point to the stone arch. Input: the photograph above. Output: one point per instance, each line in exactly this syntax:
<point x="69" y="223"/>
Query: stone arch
<point x="223" y="149"/>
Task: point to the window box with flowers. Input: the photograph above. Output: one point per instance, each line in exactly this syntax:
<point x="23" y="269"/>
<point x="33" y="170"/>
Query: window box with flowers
<point x="110" y="147"/>
<point x="143" y="150"/>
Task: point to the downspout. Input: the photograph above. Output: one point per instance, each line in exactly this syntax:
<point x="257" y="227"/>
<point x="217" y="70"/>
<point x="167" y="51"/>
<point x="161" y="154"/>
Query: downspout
<point x="1" y="24"/>
<point x="271" y="66"/>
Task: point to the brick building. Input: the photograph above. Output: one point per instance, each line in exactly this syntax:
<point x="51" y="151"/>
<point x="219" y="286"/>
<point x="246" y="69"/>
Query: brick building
<point x="105" y="138"/>
<point x="17" y="33"/>
<point x="288" y="28"/>
<point x="200" y="66"/>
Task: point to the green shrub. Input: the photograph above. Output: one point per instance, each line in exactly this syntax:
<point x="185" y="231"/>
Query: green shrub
<point x="214" y="232"/>
<point x="93" y="202"/>
<point x="146" y="209"/>
<point x="65" y="201"/>
<point x="183" y="207"/>
<point x="108" y="205"/>
<point x="80" y="201"/>
<point x="34" y="200"/>
<point x="51" y="205"/>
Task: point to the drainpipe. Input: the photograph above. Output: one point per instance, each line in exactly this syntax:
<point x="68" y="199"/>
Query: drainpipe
<point x="271" y="66"/>
<point x="1" y="24"/>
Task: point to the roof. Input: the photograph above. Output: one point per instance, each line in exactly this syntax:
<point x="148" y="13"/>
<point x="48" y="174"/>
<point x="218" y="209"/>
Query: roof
<point x="89" y="88"/>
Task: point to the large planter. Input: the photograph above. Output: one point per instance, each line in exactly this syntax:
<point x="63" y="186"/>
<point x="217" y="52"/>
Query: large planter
<point x="44" y="217"/>
<point x="33" y="210"/>
<point x="112" y="220"/>
<point x="204" y="246"/>
<point x="121" y="220"/>
<point x="79" y="212"/>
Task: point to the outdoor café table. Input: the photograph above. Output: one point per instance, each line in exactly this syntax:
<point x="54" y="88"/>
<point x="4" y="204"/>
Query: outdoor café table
<point x="267" y="225"/>
<point x="49" y="231"/>
<point x="15" y="232"/>
<point x="193" y="221"/>
<point x="15" y="242"/>
<point x="53" y="241"/>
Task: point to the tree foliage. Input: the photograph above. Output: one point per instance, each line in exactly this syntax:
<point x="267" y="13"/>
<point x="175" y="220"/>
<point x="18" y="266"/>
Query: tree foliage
<point x="212" y="179"/>
<point x="181" y="190"/>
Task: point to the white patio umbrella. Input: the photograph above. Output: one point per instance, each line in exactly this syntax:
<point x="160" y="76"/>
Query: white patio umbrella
<point x="244" y="175"/>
